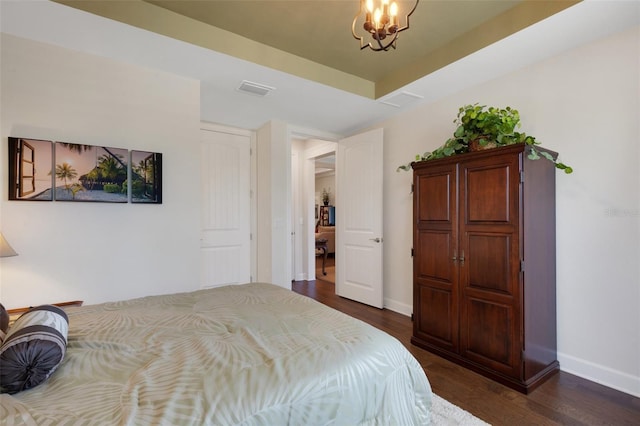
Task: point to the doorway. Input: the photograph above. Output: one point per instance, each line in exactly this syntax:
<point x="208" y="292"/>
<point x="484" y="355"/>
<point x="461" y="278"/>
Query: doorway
<point x="307" y="199"/>
<point x="325" y="216"/>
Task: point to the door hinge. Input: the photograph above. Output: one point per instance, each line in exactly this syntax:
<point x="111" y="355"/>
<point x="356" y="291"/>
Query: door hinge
<point x="411" y="316"/>
<point x="412" y="186"/>
<point x="521" y="176"/>
<point x="521" y="265"/>
<point x="413" y="252"/>
<point x="250" y="236"/>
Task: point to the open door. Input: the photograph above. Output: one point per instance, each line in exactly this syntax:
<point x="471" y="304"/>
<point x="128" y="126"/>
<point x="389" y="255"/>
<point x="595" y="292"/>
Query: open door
<point x="359" y="207"/>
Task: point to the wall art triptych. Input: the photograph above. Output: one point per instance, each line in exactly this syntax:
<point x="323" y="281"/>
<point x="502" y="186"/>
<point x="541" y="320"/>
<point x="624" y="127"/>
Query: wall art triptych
<point x="42" y="170"/>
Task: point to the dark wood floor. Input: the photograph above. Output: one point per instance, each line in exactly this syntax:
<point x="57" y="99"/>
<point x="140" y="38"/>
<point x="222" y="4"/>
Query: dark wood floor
<point x="563" y="400"/>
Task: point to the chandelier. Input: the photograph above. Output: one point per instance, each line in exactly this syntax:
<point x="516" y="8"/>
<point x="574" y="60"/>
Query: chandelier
<point x="381" y="23"/>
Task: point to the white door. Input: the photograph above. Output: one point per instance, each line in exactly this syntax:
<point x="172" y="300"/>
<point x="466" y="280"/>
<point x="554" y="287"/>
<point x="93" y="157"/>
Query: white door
<point x="225" y="242"/>
<point x="296" y="254"/>
<point x="359" y="218"/>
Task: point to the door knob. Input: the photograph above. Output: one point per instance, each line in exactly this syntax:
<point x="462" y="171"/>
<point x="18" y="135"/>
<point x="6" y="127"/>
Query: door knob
<point x="377" y="240"/>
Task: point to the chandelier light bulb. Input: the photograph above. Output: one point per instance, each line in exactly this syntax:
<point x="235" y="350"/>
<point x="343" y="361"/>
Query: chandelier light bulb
<point x="394" y="18"/>
<point x="377" y="17"/>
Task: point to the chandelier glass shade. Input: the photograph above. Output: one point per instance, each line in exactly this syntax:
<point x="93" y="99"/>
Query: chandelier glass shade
<point x="381" y="22"/>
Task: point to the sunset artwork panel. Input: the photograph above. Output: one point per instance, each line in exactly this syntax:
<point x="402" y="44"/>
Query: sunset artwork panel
<point x="30" y="166"/>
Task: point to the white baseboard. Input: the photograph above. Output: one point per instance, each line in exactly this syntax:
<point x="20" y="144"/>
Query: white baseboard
<point x="600" y="374"/>
<point x="398" y="307"/>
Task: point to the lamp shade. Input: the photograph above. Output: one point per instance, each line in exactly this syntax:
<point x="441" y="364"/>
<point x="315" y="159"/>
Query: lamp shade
<point x="5" y="249"/>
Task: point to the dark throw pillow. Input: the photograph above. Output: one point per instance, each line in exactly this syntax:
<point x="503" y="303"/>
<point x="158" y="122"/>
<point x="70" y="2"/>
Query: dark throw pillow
<point x="4" y="323"/>
<point x="33" y="348"/>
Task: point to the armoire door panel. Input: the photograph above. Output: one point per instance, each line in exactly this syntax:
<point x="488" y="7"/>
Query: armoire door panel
<point x="488" y="332"/>
<point x="488" y="262"/>
<point x="437" y="321"/>
<point x="436" y="262"/>
<point x="435" y="198"/>
<point x="487" y="193"/>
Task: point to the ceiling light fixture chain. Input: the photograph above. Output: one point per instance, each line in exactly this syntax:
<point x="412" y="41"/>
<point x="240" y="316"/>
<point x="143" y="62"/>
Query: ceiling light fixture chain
<point x="381" y="23"/>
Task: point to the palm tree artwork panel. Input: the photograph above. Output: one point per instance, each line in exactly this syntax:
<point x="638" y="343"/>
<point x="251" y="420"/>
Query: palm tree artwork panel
<point x="30" y="169"/>
<point x="146" y="177"/>
<point x="90" y="173"/>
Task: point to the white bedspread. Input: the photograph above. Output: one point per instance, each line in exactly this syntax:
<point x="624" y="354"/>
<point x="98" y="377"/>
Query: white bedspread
<point x="254" y="354"/>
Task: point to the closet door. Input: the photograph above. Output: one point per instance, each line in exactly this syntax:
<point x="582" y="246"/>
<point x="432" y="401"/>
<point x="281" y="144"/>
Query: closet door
<point x="225" y="244"/>
<point x="435" y="256"/>
<point x="490" y="317"/>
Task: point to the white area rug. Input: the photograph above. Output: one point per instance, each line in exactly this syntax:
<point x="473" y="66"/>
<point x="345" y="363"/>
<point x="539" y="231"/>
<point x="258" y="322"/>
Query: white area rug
<point x="444" y="413"/>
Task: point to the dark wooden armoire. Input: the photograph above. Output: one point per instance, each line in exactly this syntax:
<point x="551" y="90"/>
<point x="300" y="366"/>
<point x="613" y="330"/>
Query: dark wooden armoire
<point x="484" y="293"/>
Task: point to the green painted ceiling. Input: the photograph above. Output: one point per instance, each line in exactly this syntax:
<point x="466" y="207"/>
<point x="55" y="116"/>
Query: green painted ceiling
<point x="313" y="40"/>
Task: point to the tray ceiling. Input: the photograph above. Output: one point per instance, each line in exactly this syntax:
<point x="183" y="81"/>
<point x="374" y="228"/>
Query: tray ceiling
<point x="312" y="39"/>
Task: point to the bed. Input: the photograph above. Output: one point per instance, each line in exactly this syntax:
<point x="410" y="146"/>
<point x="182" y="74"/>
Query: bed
<point x="252" y="354"/>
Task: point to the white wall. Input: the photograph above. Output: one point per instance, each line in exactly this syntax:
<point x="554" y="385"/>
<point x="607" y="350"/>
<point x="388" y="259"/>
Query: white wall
<point x="99" y="251"/>
<point x="585" y="105"/>
<point x="274" y="195"/>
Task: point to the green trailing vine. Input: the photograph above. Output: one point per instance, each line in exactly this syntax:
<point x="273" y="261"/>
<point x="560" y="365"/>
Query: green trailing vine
<point x="486" y="128"/>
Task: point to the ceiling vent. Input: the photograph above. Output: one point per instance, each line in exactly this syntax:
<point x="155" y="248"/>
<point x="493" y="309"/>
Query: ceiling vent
<point x="255" y="88"/>
<point x="401" y="99"/>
